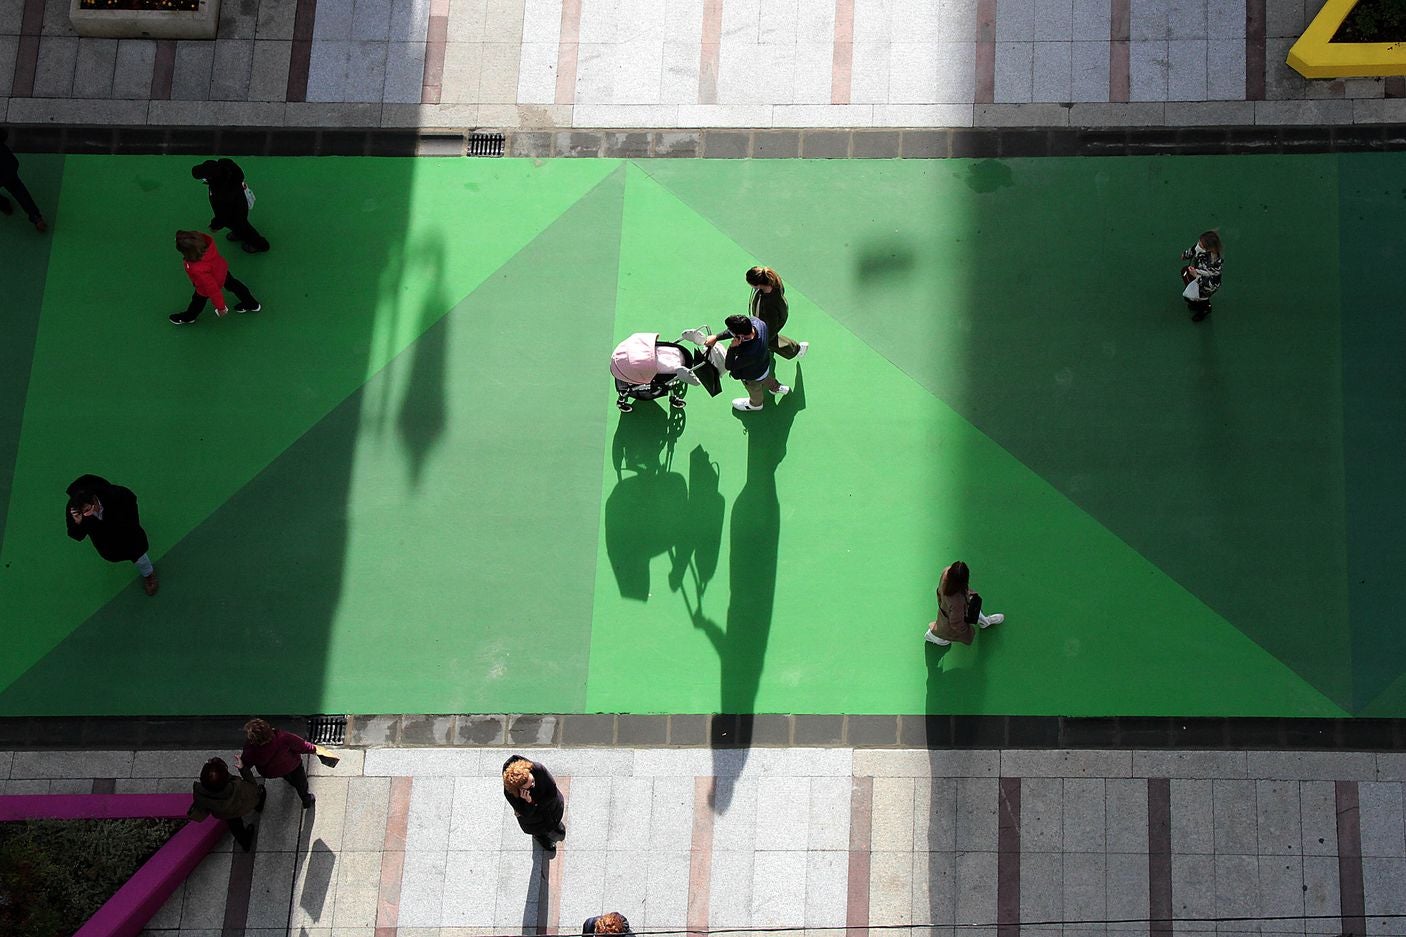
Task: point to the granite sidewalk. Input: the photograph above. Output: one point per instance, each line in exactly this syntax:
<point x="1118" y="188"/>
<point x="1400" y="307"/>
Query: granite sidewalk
<point x="670" y="64"/>
<point x="419" y="841"/>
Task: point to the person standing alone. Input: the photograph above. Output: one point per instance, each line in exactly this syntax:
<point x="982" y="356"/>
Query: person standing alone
<point x="954" y="606"/>
<point x="106" y="514"/>
<point x="209" y="274"/>
<point x="536" y="800"/>
<point x="230" y="200"/>
<point x="1202" y="277"/>
<point x="10" y="180"/>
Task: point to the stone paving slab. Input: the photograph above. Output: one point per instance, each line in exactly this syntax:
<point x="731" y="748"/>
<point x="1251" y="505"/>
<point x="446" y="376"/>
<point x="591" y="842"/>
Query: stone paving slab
<point x="539" y="64"/>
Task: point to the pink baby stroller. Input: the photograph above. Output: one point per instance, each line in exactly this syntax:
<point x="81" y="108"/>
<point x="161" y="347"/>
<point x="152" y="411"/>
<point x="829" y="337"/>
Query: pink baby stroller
<point x="646" y="368"/>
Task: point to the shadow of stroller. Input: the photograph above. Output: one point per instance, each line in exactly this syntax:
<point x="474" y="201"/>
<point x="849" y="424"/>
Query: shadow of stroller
<point x="752" y="557"/>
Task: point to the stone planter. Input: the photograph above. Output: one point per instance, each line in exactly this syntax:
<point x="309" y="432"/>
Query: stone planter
<point x="146" y="24"/>
<point x="1315" y="55"/>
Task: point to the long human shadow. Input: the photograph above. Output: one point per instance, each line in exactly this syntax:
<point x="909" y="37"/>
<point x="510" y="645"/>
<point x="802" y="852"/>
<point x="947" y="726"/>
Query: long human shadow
<point x="752" y="559"/>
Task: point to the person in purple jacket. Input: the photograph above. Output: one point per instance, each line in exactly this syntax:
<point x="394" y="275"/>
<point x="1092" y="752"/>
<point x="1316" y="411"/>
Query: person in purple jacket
<point x="277" y="754"/>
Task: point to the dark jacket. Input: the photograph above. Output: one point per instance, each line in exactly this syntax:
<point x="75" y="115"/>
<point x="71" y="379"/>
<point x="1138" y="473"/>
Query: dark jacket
<point x="544" y="814"/>
<point x="237" y="798"/>
<point x="590" y="926"/>
<point x="118" y="535"/>
<point x="771" y="308"/>
<point x="280" y="755"/>
<point x="226" y="182"/>
<point x="750" y="360"/>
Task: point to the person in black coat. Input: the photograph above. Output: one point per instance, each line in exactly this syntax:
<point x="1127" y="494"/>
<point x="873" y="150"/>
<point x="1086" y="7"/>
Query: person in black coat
<point x="533" y="794"/>
<point x="10" y="179"/>
<point x="229" y="200"/>
<point x="106" y="514"/>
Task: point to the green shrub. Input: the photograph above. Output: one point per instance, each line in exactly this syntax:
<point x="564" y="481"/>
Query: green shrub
<point x="54" y="874"/>
<point x="1374" y="21"/>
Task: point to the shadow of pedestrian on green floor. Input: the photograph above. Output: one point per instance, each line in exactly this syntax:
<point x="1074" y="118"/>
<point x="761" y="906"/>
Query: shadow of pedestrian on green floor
<point x="423" y="416"/>
<point x="653" y="511"/>
<point x="752" y="561"/>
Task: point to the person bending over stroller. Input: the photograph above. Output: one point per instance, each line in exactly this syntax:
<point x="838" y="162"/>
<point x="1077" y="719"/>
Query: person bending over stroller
<point x="749" y="359"/>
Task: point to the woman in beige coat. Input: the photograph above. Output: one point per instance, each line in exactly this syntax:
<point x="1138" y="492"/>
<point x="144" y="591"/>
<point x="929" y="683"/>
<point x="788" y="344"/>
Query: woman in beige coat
<point x="953" y="593"/>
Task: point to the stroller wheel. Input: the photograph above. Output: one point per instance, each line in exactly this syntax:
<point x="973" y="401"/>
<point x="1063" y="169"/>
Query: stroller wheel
<point x="678" y="403"/>
<point x="624" y="407"/>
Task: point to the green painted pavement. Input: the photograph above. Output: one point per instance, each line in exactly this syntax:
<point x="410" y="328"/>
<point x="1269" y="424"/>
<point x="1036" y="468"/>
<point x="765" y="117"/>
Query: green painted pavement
<point x="830" y="514"/>
<point x="185" y="417"/>
<point x="417" y="549"/>
<point x="1038" y="297"/>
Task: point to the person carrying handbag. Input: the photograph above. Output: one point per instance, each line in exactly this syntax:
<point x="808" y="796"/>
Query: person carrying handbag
<point x="958" y="608"/>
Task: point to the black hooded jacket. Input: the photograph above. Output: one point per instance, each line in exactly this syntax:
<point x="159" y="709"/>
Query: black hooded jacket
<point x="226" y="182"/>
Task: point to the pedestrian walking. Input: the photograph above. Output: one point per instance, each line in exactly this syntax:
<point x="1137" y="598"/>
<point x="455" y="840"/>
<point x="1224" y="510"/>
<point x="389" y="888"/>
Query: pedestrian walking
<point x="536" y="800"/>
<point x="209" y="274"/>
<point x="611" y="922"/>
<point x="230" y="200"/>
<point x="106" y="514"/>
<point x="278" y="754"/>
<point x="749" y="360"/>
<point x="958" y="608"/>
<point x="1202" y="276"/>
<point x="10" y="180"/>
<point x="218" y="794"/>
<point x="769" y="304"/>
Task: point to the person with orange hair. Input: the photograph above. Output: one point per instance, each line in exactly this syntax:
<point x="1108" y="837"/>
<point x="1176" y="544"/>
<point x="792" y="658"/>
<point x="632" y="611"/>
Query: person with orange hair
<point x="611" y="922"/>
<point x="536" y="800"/>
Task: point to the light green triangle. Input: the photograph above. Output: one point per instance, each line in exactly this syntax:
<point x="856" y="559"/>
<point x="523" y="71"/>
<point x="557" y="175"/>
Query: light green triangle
<point x="880" y="485"/>
<point x="186" y="416"/>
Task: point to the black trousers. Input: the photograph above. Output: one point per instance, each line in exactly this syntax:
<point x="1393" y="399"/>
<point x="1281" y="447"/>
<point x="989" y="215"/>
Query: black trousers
<point x="21" y="194"/>
<point x="241" y="230"/>
<point x="298" y="778"/>
<point x="197" y="306"/>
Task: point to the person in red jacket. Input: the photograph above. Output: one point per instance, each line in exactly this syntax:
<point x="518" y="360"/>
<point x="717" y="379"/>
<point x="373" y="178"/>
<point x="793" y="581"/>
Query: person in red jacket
<point x="209" y="274"/>
<point x="277" y="754"/>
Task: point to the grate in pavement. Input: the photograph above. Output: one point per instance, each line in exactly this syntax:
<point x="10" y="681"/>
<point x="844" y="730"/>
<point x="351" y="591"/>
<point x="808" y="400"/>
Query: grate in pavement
<point x="485" y="144"/>
<point x="327" y="730"/>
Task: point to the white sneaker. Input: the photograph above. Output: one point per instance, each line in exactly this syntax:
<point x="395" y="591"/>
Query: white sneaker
<point x="805" y="347"/>
<point x="743" y="404"/>
<point x="995" y="619"/>
<point x="931" y="638"/>
<point x="696" y="335"/>
<point x="782" y="391"/>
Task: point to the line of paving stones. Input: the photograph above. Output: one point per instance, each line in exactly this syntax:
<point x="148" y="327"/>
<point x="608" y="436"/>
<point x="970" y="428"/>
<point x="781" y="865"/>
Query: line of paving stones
<point x="725" y="731"/>
<point x="718" y="144"/>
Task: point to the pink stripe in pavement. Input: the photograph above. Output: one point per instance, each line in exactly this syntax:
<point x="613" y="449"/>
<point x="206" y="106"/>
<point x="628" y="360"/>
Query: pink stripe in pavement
<point x="711" y="52"/>
<point x="700" y="855"/>
<point x="1159" y="856"/>
<point x="861" y="829"/>
<point x="1008" y="859"/>
<point x="568" y="47"/>
<point x="550" y="922"/>
<point x="436" y="36"/>
<point x="985" y="51"/>
<point x="1254" y="50"/>
<point x="27" y="55"/>
<point x="300" y="58"/>
<point x="1352" y="902"/>
<point x="1119" y="29"/>
<point x="842" y="65"/>
<point x="393" y="857"/>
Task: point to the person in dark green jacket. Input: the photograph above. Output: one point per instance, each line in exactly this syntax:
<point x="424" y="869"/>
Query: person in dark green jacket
<point x="769" y="304"/>
<point x="218" y="794"/>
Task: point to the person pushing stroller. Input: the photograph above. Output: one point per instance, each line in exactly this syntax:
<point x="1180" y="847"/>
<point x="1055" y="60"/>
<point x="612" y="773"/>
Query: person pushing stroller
<point x="749" y="360"/>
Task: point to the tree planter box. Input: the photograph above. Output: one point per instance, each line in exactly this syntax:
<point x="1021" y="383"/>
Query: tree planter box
<point x="146" y="24"/>
<point x="1315" y="55"/>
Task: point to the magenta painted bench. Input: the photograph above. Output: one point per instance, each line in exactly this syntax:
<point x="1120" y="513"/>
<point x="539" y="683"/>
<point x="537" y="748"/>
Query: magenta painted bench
<point x="127" y="911"/>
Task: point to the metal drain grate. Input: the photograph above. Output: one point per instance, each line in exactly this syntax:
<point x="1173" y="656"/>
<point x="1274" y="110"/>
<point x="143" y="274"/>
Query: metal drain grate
<point x="485" y="144"/>
<point x="327" y="730"/>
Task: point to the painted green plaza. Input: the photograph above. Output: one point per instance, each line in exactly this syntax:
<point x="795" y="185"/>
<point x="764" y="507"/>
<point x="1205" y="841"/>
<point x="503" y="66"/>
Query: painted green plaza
<point x="404" y="486"/>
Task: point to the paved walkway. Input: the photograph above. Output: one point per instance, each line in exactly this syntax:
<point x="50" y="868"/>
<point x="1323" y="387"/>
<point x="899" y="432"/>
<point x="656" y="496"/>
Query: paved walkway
<point x="510" y="64"/>
<point x="420" y="842"/>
